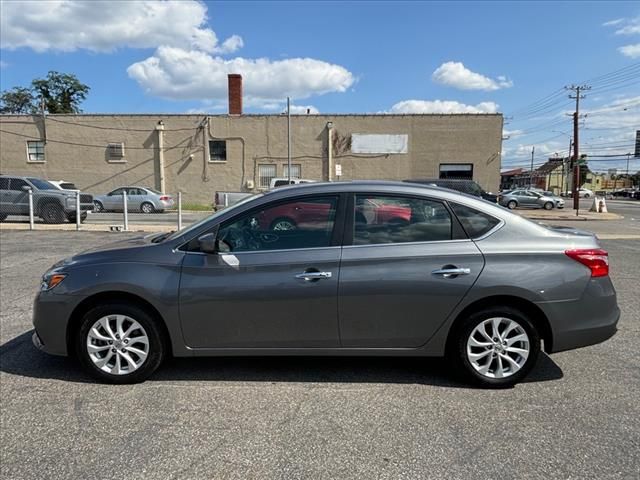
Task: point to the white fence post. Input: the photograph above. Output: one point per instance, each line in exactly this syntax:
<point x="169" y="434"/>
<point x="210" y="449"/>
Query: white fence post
<point x="78" y="212"/>
<point x="179" y="210"/>
<point x="125" y="210"/>
<point x="30" y="209"/>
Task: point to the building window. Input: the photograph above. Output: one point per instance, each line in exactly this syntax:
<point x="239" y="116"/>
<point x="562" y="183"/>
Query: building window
<point x="115" y="152"/>
<point x="456" y="170"/>
<point x="296" y="170"/>
<point x="217" y="151"/>
<point x="265" y="174"/>
<point x="35" y="152"/>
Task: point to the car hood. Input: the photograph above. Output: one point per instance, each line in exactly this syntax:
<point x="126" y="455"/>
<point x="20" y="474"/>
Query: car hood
<point x="137" y="249"/>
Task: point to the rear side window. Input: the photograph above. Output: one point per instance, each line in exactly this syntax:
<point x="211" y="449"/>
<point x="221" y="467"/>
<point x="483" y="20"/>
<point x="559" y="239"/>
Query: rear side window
<point x="382" y="219"/>
<point x="475" y="222"/>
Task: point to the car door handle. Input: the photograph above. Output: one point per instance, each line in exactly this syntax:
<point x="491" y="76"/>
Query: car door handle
<point x="451" y="272"/>
<point x="310" y="276"/>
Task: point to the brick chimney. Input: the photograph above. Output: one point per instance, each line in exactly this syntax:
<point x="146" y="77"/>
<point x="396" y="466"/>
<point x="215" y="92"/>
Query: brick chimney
<point x="235" y="94"/>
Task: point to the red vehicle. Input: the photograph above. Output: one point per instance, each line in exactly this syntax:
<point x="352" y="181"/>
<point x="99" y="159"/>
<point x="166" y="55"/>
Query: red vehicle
<point x="309" y="214"/>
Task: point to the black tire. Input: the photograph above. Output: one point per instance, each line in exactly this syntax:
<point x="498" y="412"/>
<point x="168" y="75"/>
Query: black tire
<point x="97" y="206"/>
<point x="52" y="213"/>
<point x="512" y="204"/>
<point x="157" y="346"/>
<point x="457" y="347"/>
<point x="548" y="206"/>
<point x="147" y="207"/>
<point x="586" y="195"/>
<point x="279" y="224"/>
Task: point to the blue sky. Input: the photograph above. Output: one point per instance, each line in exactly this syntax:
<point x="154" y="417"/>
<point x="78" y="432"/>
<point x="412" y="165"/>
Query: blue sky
<point x="349" y="57"/>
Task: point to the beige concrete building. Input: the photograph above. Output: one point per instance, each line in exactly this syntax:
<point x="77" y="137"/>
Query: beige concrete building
<point x="201" y="154"/>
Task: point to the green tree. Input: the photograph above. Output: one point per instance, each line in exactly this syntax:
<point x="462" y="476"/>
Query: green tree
<point x="17" y="100"/>
<point x="57" y="92"/>
<point x="60" y="92"/>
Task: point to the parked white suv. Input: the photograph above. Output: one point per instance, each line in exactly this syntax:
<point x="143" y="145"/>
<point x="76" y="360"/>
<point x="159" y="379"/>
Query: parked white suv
<point x="281" y="182"/>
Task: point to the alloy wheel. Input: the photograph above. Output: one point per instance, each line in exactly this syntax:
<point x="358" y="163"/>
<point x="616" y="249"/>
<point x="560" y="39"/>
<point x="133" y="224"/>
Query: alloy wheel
<point x="498" y="347"/>
<point x="117" y="344"/>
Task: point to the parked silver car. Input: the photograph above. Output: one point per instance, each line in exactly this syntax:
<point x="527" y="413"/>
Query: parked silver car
<point x="369" y="268"/>
<point x="529" y="198"/>
<point x="139" y="199"/>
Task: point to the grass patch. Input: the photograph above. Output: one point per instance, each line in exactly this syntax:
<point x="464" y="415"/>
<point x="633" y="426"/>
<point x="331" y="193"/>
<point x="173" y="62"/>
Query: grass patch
<point x="194" y="207"/>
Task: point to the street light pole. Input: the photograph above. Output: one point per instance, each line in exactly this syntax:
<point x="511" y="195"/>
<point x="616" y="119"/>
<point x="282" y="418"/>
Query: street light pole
<point x="288" y="140"/>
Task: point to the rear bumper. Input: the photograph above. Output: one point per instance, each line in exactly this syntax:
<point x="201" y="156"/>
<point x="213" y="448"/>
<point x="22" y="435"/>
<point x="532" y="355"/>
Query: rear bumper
<point x="589" y="320"/>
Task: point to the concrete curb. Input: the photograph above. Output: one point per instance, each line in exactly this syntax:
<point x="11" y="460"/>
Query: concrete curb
<point x="86" y="228"/>
<point x="568" y="216"/>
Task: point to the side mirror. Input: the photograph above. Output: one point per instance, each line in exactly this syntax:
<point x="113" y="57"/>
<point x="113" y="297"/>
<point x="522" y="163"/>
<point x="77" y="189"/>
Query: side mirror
<point x="207" y="243"/>
<point x="26" y="188"/>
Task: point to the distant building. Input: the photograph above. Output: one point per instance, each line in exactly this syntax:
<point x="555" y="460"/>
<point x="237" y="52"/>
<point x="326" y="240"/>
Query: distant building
<point x="201" y="154"/>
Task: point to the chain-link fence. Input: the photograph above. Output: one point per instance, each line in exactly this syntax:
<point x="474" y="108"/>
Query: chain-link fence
<point x="120" y="210"/>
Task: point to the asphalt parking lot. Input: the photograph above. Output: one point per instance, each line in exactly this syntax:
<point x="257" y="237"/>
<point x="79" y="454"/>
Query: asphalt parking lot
<point x="577" y="416"/>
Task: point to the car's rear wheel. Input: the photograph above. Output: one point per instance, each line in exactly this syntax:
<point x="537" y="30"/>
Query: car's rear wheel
<point x="147" y="207"/>
<point x="512" y="204"/>
<point x="281" y="224"/>
<point x="52" y="213"/>
<point x="97" y="206"/>
<point x="548" y="205"/>
<point x="495" y="347"/>
<point x="119" y="343"/>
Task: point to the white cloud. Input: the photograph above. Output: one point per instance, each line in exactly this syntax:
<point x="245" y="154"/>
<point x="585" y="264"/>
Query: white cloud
<point x="455" y="74"/>
<point x="512" y="133"/>
<point x="176" y="73"/>
<point x="631" y="51"/>
<point x="630" y="26"/>
<point x="612" y="23"/>
<point x="103" y="26"/>
<point x="442" y="106"/>
<point x="3" y="64"/>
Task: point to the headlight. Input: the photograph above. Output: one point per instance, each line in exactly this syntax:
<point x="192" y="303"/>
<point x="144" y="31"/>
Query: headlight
<point x="51" y="280"/>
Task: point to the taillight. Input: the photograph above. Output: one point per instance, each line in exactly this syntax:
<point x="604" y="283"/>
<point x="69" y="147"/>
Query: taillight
<point x="596" y="259"/>
<point x="165" y="197"/>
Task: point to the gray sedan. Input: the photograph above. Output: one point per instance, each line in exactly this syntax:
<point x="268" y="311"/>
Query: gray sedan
<point x="529" y="198"/>
<point x="139" y="199"/>
<point x="368" y="268"/>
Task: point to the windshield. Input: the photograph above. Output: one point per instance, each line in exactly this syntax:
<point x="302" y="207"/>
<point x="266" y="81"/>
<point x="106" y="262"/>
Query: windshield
<point x="197" y="225"/>
<point x="42" y="184"/>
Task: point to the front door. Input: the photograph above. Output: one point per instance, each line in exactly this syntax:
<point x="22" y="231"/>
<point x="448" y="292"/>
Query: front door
<point x="273" y="283"/>
<point x="400" y="279"/>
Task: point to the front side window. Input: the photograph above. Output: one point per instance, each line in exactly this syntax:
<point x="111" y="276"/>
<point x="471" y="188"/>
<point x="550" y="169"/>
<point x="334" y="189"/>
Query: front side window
<point x="35" y="151"/>
<point x="301" y="223"/>
<point x="217" y="150"/>
<point x="381" y="219"/>
<point x="474" y="222"/>
<point x="17" y="184"/>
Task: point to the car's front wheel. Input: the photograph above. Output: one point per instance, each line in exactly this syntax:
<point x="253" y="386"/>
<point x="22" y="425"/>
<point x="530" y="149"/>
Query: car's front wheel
<point x="495" y="347"/>
<point x="97" y="206"/>
<point x="119" y="343"/>
<point x="512" y="204"/>
<point x="52" y="213"/>
<point x="548" y="205"/>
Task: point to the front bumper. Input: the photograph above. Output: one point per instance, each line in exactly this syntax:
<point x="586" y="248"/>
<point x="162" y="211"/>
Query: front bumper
<point x="51" y="314"/>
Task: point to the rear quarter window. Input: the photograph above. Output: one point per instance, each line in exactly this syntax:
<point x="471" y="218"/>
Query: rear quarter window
<point x="474" y="222"/>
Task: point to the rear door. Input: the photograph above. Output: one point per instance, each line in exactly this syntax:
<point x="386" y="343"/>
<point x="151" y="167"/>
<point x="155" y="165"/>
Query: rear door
<point x="134" y="199"/>
<point x="399" y="280"/>
<point x="266" y="288"/>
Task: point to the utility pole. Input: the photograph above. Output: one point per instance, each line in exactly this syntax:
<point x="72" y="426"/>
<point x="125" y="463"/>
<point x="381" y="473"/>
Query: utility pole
<point x="288" y="141"/>
<point x="576" y="143"/>
<point x="533" y="150"/>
